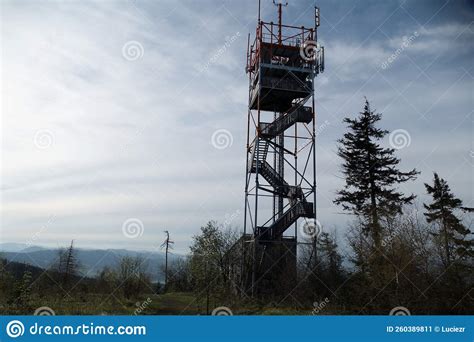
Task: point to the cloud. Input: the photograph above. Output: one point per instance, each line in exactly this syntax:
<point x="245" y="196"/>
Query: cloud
<point x="132" y="138"/>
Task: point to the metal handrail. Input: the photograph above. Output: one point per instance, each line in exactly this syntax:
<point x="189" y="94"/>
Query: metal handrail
<point x="265" y="34"/>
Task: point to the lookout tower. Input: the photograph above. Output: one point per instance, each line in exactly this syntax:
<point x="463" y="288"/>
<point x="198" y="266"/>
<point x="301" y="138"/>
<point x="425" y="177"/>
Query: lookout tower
<point x="280" y="186"/>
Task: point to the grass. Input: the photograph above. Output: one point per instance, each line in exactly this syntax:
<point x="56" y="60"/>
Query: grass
<point x="173" y="303"/>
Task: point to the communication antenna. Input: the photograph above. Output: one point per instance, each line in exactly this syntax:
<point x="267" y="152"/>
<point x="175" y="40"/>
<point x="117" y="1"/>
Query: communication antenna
<point x="258" y="10"/>
<point x="317" y="22"/>
<point x="279" y="4"/>
<point x="316" y="16"/>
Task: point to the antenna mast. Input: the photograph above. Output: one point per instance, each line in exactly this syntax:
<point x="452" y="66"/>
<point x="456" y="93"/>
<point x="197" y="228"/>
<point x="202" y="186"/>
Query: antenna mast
<point x="279" y="18"/>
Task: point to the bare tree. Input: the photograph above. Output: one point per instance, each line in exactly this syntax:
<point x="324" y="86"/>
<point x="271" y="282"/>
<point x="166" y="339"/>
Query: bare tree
<point x="68" y="264"/>
<point x="167" y="244"/>
<point x="132" y="276"/>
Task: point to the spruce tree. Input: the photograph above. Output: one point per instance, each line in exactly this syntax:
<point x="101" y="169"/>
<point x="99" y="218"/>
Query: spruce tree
<point x="371" y="174"/>
<point x="71" y="263"/>
<point x="67" y="264"/>
<point x="453" y="234"/>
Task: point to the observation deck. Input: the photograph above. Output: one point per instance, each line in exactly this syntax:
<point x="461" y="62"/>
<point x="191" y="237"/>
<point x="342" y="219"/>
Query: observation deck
<point x="282" y="61"/>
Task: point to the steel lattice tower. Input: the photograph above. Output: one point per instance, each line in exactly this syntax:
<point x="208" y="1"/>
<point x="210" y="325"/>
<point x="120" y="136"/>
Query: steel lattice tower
<point x="280" y="186"/>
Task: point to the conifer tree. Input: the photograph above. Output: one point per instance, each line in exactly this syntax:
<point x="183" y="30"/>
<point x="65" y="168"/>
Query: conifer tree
<point x="24" y="289"/>
<point x="453" y="234"/>
<point x="67" y="264"/>
<point x="371" y="174"/>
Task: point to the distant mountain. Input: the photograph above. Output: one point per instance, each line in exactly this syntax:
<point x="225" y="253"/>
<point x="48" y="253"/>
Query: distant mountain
<point x="18" y="247"/>
<point x="91" y="261"/>
<point x="17" y="269"/>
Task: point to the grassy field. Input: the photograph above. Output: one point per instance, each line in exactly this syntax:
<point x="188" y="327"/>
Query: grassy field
<point x="174" y="303"/>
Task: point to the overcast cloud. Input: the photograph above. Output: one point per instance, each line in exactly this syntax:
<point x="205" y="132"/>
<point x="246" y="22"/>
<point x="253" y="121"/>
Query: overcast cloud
<point x="108" y="108"/>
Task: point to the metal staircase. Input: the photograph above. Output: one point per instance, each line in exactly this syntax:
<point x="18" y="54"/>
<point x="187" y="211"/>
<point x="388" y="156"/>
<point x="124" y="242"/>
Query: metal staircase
<point x="301" y="208"/>
<point x="295" y="114"/>
<point x="280" y="180"/>
<point x="259" y="151"/>
<point x="298" y="206"/>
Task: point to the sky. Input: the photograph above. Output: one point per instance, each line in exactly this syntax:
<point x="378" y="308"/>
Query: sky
<point x="122" y="119"/>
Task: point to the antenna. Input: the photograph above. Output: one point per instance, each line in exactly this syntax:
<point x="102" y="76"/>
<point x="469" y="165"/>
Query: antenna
<point x="259" y="11"/>
<point x="316" y="16"/>
<point x="316" y="22"/>
<point x="279" y="4"/>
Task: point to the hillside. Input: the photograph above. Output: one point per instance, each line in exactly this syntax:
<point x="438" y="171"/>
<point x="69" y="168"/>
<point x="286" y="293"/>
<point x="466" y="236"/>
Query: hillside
<point x="91" y="261"/>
